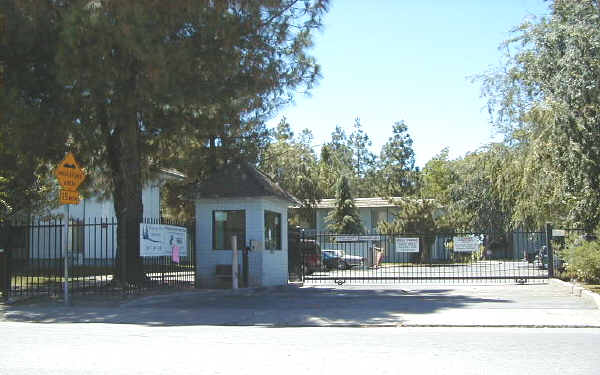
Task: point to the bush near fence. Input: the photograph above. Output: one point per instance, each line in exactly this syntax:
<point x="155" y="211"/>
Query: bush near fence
<point x="583" y="260"/>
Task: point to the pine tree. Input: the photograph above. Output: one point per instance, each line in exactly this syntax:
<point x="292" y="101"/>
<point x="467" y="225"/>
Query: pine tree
<point x="344" y="218"/>
<point x="137" y="84"/>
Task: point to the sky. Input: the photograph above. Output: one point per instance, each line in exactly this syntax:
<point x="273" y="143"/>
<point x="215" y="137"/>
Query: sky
<point x="385" y="61"/>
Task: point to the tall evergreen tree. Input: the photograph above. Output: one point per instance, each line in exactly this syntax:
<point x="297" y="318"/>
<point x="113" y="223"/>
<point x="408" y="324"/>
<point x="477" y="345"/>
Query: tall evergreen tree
<point x="132" y="84"/>
<point x="335" y="160"/>
<point x="397" y="175"/>
<point x="32" y="127"/>
<point x="344" y="218"/>
<point x="359" y="142"/>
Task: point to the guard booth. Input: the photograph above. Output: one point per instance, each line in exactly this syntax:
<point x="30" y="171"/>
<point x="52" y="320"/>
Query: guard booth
<point x="244" y="202"/>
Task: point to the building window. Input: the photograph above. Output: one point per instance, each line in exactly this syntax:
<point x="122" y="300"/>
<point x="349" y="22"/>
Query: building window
<point x="227" y="224"/>
<point x="272" y="230"/>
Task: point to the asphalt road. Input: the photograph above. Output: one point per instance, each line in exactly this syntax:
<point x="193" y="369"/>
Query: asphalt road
<point x="69" y="349"/>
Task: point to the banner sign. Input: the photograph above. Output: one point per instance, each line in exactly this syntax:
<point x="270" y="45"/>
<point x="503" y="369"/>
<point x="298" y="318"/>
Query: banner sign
<point x="407" y="245"/>
<point x="466" y="244"/>
<point x="163" y="240"/>
<point x="356" y="238"/>
<point x="370" y="238"/>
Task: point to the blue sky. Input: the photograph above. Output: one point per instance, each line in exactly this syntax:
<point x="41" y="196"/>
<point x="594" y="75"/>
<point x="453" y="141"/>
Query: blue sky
<point x="390" y="60"/>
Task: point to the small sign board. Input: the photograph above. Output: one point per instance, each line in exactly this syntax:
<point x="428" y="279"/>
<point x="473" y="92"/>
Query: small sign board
<point x="346" y="239"/>
<point x="559" y="233"/>
<point x="465" y="244"/>
<point x="407" y="245"/>
<point x="162" y="240"/>
<point x="69" y="197"/>
<point x="356" y="238"/>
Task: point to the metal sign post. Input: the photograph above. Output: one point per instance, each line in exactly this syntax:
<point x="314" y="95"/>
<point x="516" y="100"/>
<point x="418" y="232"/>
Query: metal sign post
<point x="70" y="176"/>
<point x="66" y="256"/>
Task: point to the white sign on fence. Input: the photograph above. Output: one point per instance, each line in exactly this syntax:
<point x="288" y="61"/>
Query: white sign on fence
<point x="356" y="238"/>
<point x="466" y="244"/>
<point x="407" y="245"/>
<point x="163" y="240"/>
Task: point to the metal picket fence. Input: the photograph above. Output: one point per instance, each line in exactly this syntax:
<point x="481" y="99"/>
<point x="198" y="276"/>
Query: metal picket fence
<point x="33" y="257"/>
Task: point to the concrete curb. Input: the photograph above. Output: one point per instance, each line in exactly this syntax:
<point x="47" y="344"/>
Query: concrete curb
<point x="577" y="290"/>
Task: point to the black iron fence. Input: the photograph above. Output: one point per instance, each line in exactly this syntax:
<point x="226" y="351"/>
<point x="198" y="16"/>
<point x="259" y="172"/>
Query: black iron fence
<point x="32" y="260"/>
<point x="516" y="257"/>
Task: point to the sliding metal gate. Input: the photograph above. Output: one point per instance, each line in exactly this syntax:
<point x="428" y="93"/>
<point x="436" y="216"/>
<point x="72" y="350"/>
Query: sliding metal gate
<point x="416" y="258"/>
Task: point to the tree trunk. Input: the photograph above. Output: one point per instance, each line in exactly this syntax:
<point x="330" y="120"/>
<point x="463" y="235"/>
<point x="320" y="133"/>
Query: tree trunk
<point x="125" y="164"/>
<point x="425" y="256"/>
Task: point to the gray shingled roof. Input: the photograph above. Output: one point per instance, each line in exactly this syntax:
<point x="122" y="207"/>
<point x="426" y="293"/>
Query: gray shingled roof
<point x="240" y="181"/>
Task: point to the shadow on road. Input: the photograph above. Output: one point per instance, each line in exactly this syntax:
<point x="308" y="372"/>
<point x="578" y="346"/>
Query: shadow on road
<point x="291" y="306"/>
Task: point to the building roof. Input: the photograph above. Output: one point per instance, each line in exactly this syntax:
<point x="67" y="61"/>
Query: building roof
<point x="363" y="202"/>
<point x="240" y="181"/>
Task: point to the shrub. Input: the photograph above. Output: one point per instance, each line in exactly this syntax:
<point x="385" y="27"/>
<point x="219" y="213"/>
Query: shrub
<point x="565" y="275"/>
<point x="583" y="260"/>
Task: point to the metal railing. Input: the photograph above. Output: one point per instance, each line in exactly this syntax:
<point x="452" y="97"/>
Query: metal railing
<point x="415" y="258"/>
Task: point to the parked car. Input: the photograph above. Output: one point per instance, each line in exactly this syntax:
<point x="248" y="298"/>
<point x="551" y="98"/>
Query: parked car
<point x="304" y="255"/>
<point x="338" y="259"/>
<point x="542" y="259"/>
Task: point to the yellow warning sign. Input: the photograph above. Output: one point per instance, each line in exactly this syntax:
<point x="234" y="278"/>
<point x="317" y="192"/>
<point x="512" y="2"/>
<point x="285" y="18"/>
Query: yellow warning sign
<point x="69" y="174"/>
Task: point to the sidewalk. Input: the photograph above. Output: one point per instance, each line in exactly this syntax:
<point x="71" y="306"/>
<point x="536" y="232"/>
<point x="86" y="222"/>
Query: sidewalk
<point x="549" y="305"/>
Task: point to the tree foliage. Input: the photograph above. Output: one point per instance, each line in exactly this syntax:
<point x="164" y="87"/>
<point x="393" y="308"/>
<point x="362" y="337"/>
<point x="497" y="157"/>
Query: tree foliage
<point x="549" y="90"/>
<point x="292" y="162"/>
<point x="138" y="84"/>
<point x="32" y="128"/>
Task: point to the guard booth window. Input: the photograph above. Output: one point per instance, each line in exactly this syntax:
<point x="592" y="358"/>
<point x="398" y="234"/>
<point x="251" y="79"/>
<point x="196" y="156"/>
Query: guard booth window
<point x="272" y="230"/>
<point x="227" y="224"/>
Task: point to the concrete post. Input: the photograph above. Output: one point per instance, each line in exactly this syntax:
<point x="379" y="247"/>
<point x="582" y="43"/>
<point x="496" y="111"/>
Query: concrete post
<point x="234" y="263"/>
<point x="550" y="251"/>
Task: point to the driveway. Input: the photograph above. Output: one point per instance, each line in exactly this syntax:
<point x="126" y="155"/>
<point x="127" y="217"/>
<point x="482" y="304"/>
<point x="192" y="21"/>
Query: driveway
<point x="547" y="305"/>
